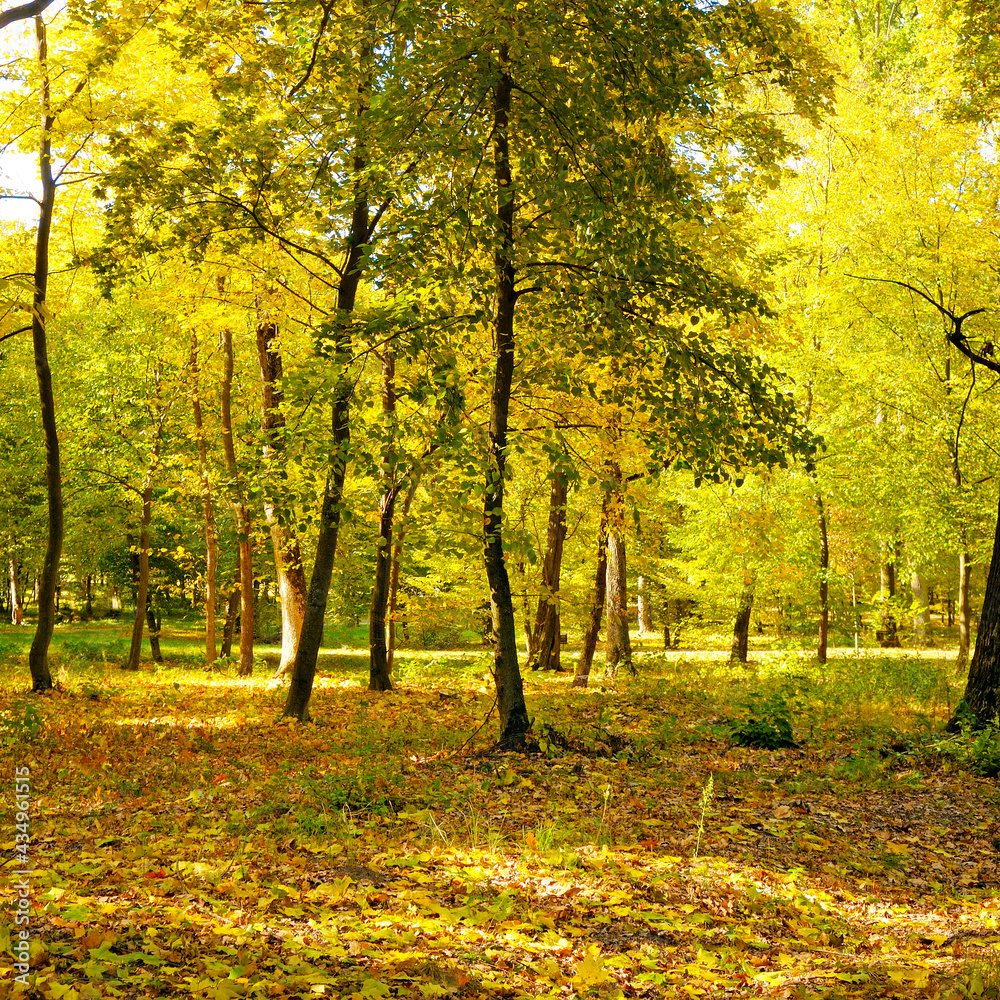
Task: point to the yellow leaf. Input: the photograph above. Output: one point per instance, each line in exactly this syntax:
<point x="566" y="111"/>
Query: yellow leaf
<point x="590" y="971"/>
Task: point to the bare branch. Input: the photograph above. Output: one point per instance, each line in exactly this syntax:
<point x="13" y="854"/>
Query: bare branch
<point x="22" y="12"/>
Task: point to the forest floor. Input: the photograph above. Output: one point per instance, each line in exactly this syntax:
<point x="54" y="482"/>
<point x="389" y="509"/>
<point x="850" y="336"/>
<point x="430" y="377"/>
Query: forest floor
<point x="183" y="843"/>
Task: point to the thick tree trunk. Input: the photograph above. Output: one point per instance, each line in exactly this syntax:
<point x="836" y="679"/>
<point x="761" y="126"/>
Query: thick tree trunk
<point x="16" y="603"/>
<point x="741" y="627"/>
<point x="645" y="607"/>
<point x="824" y="579"/>
<point x="38" y="655"/>
<point x="292" y="589"/>
<point x="582" y="675"/>
<point x="207" y="507"/>
<point x="142" y="583"/>
<point x="397" y="552"/>
<point x="982" y="689"/>
<point x="514" y="721"/>
<point x="545" y="637"/>
<point x="242" y="513"/>
<point x="964" y="609"/>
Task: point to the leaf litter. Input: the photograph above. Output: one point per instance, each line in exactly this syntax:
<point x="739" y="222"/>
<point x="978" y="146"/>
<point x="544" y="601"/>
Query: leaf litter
<point x="184" y="844"/>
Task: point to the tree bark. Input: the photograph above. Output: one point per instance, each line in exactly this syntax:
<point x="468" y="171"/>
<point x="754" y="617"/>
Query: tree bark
<point x="397" y="552"/>
<point x="154" y="621"/>
<point x="617" y="643"/>
<point x="292" y="589"/>
<point x="582" y="675"/>
<point x="982" y="689"/>
<point x="307" y="654"/>
<point x="241" y="511"/>
<point x="741" y="628"/>
<point x="922" y="618"/>
<point x="645" y="607"/>
<point x="16" y="603"/>
<point x="229" y="626"/>
<point x="378" y="658"/>
<point x="545" y="638"/>
<point x="142" y="583"/>
<point x="964" y="609"/>
<point x="514" y="721"/>
<point x="207" y="507"/>
<point x="38" y="655"/>
<point x="824" y="578"/>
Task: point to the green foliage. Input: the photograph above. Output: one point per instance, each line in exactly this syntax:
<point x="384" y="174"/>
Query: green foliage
<point x="768" y="725"/>
<point x="23" y="723"/>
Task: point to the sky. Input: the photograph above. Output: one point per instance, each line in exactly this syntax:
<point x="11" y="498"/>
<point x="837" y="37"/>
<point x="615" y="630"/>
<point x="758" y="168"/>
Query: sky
<point x="19" y="170"/>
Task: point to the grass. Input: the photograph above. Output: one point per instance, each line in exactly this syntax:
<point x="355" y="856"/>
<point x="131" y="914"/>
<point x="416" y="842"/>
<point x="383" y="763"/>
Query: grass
<point x="185" y="842"/>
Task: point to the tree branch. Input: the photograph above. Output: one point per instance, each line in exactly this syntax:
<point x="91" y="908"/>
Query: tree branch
<point x="956" y="336"/>
<point x="22" y="12"/>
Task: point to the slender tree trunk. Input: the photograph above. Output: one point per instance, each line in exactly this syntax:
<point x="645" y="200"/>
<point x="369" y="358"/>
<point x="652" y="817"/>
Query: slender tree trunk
<point x="741" y="627"/>
<point x="586" y="660"/>
<point x="617" y="644"/>
<point x="232" y="610"/>
<point x="964" y="609"/>
<point x="142" y="583"/>
<point x="154" y="620"/>
<point x="922" y="618"/>
<point x="378" y="656"/>
<point x="824" y="578"/>
<point x="307" y="654"/>
<point x="88" y="607"/>
<point x="545" y="638"/>
<point x="16" y="604"/>
<point x="38" y="656"/>
<point x="242" y="513"/>
<point x="645" y="608"/>
<point x="514" y="721"/>
<point x="292" y="588"/>
<point x="207" y="507"/>
<point x="982" y="689"/>
<point x="397" y="552"/>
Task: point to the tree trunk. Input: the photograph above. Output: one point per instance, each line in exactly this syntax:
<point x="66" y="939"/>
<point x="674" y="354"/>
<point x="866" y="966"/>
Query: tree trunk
<point x="307" y="654"/>
<point x="16" y="603"/>
<point x="982" y="690"/>
<point x="291" y="576"/>
<point x="922" y="618"/>
<point x="229" y="626"/>
<point x="88" y="607"/>
<point x="545" y="638"/>
<point x="741" y="627"/>
<point x="824" y="579"/>
<point x="964" y="610"/>
<point x="378" y="657"/>
<point x="514" y="721"/>
<point x="645" y="607"/>
<point x="142" y="583"/>
<point x="397" y="552"/>
<point x="208" y="510"/>
<point x="617" y="644"/>
<point x="242" y="513"/>
<point x="154" y="620"/>
<point x="597" y="608"/>
<point x="38" y="656"/>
